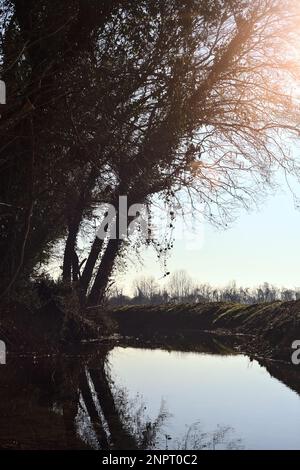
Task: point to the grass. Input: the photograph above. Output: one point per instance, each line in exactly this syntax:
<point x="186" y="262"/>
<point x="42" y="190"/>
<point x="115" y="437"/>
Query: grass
<point x="276" y="323"/>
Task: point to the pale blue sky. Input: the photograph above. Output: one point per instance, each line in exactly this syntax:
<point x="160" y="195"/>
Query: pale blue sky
<point x="260" y="246"/>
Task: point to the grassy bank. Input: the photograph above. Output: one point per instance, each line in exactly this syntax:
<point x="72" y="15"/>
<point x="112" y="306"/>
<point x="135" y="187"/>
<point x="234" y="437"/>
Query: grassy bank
<point x="267" y="329"/>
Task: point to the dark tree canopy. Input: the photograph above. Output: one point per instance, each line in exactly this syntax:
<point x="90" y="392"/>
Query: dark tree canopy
<point x="136" y="98"/>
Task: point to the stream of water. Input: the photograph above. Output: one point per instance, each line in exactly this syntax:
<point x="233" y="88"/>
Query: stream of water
<point x="131" y="397"/>
<point x="206" y="394"/>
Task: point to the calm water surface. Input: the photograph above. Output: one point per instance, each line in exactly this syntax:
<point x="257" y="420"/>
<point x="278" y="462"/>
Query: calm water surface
<point x="126" y="398"/>
<point x="207" y="395"/>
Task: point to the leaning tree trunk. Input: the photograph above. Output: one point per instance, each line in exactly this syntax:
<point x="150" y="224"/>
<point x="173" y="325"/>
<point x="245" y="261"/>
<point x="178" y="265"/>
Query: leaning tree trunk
<point x="107" y="260"/>
<point x="104" y="271"/>
<point x="109" y="256"/>
<point x="90" y="265"/>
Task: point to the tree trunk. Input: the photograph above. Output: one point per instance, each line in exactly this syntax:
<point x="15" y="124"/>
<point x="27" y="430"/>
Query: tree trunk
<point x="107" y="260"/>
<point x="109" y="257"/>
<point x="70" y="257"/>
<point x="104" y="271"/>
<point x="89" y="265"/>
<point x="70" y="251"/>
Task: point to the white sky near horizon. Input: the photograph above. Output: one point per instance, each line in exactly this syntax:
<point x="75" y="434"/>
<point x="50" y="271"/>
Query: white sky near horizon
<point x="260" y="246"/>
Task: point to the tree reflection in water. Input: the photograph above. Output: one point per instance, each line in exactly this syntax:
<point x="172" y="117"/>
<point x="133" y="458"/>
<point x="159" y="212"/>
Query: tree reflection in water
<point x="129" y="426"/>
<point x="67" y="402"/>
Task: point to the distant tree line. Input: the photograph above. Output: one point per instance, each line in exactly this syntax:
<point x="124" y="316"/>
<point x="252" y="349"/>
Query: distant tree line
<point x="182" y="289"/>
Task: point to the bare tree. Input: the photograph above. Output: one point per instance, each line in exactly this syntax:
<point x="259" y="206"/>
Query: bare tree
<point x="180" y="285"/>
<point x="150" y="98"/>
<point x="218" y="125"/>
<point x="145" y="289"/>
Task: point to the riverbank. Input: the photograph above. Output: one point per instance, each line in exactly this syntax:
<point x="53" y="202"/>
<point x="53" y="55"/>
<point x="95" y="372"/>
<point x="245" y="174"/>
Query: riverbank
<point x="261" y="330"/>
<point x="46" y="392"/>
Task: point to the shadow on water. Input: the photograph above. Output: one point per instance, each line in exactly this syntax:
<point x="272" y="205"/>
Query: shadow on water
<point x="71" y="402"/>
